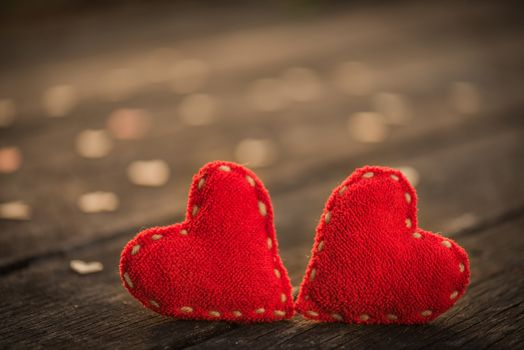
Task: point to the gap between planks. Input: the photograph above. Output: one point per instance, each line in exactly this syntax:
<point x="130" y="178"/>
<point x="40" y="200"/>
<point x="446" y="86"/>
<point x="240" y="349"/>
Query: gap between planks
<point x="316" y="172"/>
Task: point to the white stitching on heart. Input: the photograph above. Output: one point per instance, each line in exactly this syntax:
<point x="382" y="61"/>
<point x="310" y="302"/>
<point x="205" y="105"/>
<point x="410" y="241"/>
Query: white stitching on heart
<point x="426" y="313"/>
<point x="392" y="317"/>
<point x="364" y="317"/>
<point x="250" y="180"/>
<point x="409" y="224"/>
<point x="135" y="249"/>
<point x="446" y="244"/>
<point x="188" y="309"/>
<point x="194" y="211"/>
<point x="279" y="313"/>
<point x="337" y="317"/>
<point x="128" y="280"/>
<point x="313" y="274"/>
<point x="327" y="218"/>
<point x="262" y="208"/>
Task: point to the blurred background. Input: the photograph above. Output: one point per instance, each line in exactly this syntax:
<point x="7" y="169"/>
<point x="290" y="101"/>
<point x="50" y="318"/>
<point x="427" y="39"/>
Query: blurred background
<point x="107" y="109"/>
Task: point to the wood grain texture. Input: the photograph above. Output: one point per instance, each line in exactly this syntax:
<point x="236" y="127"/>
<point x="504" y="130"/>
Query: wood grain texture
<point x="47" y="295"/>
<point x="55" y="174"/>
<point x="470" y="164"/>
<point x="49" y="305"/>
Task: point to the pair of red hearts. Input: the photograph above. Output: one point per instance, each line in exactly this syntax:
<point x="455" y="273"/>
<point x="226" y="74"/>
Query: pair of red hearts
<point x="370" y="263"/>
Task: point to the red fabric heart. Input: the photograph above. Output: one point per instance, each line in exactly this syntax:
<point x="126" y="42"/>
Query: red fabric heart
<point x="221" y="263"/>
<point x="371" y="263"/>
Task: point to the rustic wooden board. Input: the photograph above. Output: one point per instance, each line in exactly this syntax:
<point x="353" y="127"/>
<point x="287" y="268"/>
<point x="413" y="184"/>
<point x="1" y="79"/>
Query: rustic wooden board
<point x="53" y="176"/>
<point x="47" y="304"/>
<point x="470" y="165"/>
<point x="310" y="184"/>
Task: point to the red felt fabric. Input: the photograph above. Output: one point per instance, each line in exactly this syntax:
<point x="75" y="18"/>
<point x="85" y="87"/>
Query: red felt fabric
<point x="221" y="263"/>
<point x="371" y="263"/>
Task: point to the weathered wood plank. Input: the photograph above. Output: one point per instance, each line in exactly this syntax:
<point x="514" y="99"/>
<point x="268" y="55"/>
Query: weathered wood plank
<point x="48" y="305"/>
<point x="501" y="150"/>
<point x="62" y="223"/>
<point x="470" y="170"/>
<point x="41" y="298"/>
<point x="53" y="177"/>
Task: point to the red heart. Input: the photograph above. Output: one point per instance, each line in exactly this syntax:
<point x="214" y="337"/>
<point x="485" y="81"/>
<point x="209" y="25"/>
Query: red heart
<point x="371" y="263"/>
<point x="221" y="263"/>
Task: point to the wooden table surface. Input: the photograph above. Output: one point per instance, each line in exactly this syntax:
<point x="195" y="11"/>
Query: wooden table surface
<point x="434" y="88"/>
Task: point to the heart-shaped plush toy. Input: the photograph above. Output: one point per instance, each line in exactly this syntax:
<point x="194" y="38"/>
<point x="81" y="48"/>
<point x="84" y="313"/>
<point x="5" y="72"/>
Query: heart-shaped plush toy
<point x="371" y="263"/>
<point x="221" y="263"/>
